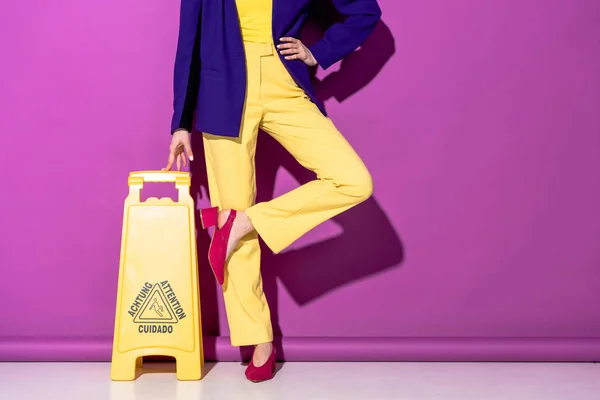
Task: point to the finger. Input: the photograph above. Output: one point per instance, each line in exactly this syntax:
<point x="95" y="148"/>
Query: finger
<point x="171" y="161"/>
<point x="293" y="57"/>
<point x="188" y="151"/>
<point x="289" y="39"/>
<point x="287" y="45"/>
<point x="179" y="162"/>
<point x="290" y="51"/>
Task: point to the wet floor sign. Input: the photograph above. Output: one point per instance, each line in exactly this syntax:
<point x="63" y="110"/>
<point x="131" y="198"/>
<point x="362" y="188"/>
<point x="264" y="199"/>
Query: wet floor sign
<point x="158" y="297"/>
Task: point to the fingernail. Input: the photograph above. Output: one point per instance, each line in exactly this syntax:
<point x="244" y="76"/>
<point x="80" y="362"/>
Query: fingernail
<point x="191" y="158"/>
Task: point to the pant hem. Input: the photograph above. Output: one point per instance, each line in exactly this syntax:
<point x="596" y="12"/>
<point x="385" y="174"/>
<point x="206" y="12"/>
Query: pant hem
<point x="260" y="229"/>
<point x="253" y="342"/>
<point x="271" y="242"/>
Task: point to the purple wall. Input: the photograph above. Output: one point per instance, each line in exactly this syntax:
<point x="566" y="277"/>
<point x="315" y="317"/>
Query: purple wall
<point x="480" y="122"/>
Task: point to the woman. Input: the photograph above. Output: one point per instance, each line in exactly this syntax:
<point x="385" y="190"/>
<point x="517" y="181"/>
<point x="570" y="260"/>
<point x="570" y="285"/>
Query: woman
<point x="239" y="67"/>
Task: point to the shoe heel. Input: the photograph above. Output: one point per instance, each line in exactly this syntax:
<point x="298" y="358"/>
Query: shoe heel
<point x="208" y="217"/>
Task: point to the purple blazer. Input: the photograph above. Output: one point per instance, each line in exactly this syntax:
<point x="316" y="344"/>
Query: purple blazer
<point x="210" y="66"/>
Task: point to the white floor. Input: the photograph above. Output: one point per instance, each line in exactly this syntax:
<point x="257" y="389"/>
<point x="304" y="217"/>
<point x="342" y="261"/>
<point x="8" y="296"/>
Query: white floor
<point x="314" y="381"/>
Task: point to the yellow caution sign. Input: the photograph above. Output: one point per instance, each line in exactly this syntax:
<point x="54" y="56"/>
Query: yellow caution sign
<point x="158" y="299"/>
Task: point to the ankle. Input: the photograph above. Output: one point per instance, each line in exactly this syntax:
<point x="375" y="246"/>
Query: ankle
<point x="222" y="218"/>
<point x="242" y="224"/>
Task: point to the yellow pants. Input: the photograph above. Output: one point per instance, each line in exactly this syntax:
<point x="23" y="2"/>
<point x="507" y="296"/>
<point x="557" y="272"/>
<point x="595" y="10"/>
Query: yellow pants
<point x="275" y="104"/>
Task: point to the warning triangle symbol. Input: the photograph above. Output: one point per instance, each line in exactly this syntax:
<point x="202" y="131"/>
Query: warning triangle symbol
<point x="156" y="308"/>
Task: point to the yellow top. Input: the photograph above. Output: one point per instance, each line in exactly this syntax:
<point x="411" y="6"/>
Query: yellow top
<point x="255" y="20"/>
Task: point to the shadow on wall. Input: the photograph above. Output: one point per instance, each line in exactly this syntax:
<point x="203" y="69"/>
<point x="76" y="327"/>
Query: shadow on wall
<point x="313" y="271"/>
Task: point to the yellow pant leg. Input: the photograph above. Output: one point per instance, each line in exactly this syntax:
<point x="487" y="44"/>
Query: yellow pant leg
<point x="343" y="180"/>
<point x="231" y="180"/>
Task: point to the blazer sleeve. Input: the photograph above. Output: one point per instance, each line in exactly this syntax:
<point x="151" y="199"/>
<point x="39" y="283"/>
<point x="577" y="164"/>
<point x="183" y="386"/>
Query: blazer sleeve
<point x="343" y="38"/>
<point x="186" y="80"/>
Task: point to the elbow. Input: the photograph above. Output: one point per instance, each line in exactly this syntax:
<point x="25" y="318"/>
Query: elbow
<point x="376" y="14"/>
<point x="373" y="11"/>
<point x="377" y="11"/>
<point x="371" y="15"/>
<point x="372" y="19"/>
<point x="367" y="12"/>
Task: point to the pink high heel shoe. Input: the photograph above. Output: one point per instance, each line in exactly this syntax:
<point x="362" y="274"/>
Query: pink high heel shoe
<point x="217" y="252"/>
<point x="264" y="372"/>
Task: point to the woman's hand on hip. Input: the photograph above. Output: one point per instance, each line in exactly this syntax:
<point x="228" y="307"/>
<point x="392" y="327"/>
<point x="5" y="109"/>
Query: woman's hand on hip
<point x="294" y="49"/>
<point x="180" y="150"/>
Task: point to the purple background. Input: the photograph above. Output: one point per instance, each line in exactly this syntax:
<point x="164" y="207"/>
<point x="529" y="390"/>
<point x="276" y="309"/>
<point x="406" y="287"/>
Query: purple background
<point x="479" y="120"/>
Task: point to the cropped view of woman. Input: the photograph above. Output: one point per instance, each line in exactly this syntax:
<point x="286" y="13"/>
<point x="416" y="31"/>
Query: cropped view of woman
<point x="240" y="67"/>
